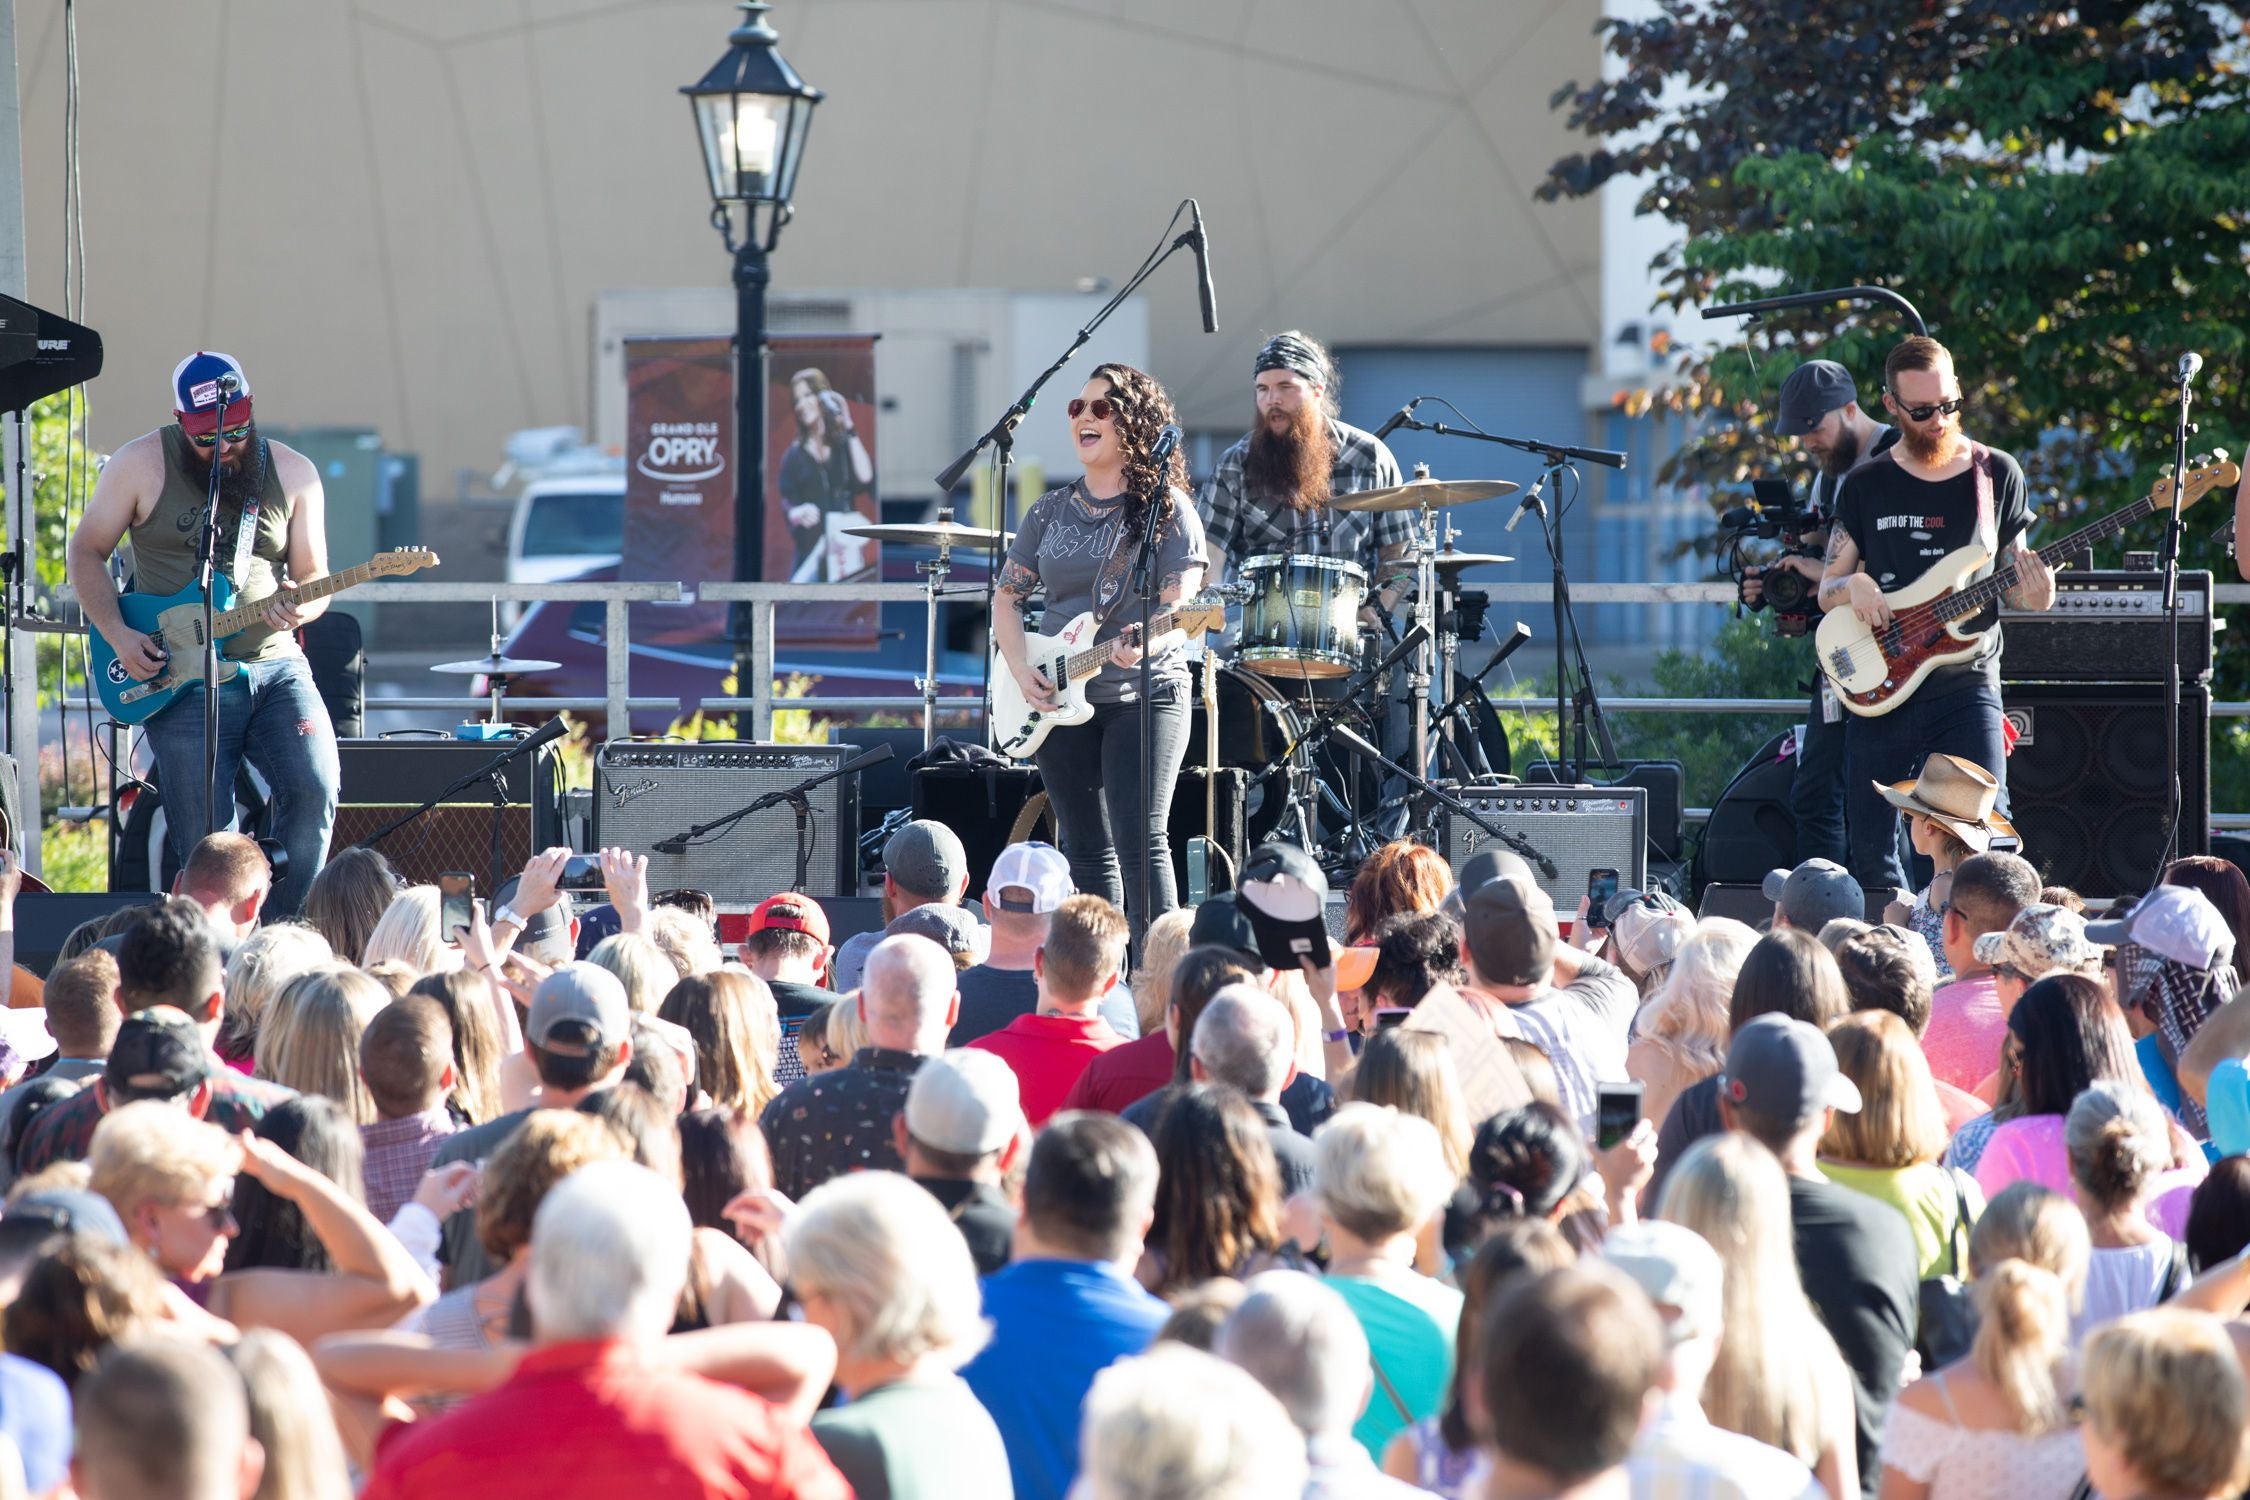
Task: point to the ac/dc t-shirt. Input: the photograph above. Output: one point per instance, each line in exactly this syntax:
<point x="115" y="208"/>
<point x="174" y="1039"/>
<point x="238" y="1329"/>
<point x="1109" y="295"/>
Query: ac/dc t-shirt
<point x="1073" y="548"/>
<point x="1903" y="525"/>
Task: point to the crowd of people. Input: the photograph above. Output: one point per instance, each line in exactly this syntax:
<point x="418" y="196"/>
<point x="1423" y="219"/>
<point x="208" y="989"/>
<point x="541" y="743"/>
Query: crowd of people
<point x="577" y="1201"/>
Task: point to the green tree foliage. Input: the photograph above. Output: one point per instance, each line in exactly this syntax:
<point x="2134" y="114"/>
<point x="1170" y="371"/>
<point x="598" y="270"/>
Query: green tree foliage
<point x="2064" y="192"/>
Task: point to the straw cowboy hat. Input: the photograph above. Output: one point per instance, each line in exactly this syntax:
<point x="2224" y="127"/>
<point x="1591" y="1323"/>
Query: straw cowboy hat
<point x="1958" y="795"/>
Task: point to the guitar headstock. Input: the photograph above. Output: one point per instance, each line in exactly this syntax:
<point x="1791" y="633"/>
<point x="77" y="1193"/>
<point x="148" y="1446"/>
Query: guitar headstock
<point x="2217" y="473"/>
<point x="1205" y="612"/>
<point x="401" y="560"/>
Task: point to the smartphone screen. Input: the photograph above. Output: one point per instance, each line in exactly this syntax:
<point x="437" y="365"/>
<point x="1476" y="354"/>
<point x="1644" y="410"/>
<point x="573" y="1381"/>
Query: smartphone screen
<point x="1617" y="1109"/>
<point x="457" y="894"/>
<point x="1600" y="886"/>
<point x="581" y="872"/>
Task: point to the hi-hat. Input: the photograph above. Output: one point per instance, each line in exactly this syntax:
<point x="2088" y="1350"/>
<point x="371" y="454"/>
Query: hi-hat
<point x="1426" y="494"/>
<point x="933" y="534"/>
<point x="496" y="665"/>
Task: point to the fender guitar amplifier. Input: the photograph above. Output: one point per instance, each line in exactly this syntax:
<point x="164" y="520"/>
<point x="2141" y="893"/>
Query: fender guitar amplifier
<point x="1579" y="828"/>
<point x="651" y="793"/>
<point x="382" y="779"/>
<point x="2108" y="627"/>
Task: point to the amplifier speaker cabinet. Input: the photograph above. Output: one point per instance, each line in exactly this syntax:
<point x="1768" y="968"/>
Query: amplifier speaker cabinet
<point x="981" y="803"/>
<point x="1580" y="828"/>
<point x="2086" y="781"/>
<point x="2109" y="627"/>
<point x="383" y="778"/>
<point x="645" y="793"/>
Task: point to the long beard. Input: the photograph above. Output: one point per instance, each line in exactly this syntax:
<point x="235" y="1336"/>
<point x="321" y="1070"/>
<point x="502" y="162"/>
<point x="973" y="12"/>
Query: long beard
<point x="234" y="482"/>
<point x="1932" y="449"/>
<point x="1841" y="455"/>
<point x="1297" y="463"/>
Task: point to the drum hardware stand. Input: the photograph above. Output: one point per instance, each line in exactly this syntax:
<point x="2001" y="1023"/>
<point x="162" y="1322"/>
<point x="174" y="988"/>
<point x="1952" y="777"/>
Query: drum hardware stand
<point x="1446" y="800"/>
<point x="935" y="572"/>
<point x="1306" y="790"/>
<point x="1457" y="707"/>
<point x="1559" y="458"/>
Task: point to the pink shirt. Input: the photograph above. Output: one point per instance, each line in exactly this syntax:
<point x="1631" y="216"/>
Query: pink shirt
<point x="2031" y="1149"/>
<point x="1967" y="1026"/>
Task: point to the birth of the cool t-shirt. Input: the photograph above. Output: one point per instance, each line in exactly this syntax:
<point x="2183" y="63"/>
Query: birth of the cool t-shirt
<point x="1903" y="525"/>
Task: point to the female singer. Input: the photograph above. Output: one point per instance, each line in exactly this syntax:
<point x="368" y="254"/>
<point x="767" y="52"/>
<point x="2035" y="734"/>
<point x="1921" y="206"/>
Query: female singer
<point x="1077" y="546"/>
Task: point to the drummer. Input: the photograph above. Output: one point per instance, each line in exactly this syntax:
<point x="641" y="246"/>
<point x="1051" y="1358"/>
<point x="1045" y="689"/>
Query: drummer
<point x="1271" y="491"/>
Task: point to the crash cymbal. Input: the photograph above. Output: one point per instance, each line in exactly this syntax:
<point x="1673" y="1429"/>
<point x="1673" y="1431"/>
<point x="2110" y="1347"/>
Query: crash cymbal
<point x="496" y="665"/>
<point x="1431" y="494"/>
<point x="933" y="534"/>
<point x="1447" y="562"/>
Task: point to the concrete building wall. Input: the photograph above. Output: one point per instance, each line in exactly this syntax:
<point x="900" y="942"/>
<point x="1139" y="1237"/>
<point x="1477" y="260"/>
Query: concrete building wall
<point x="398" y="213"/>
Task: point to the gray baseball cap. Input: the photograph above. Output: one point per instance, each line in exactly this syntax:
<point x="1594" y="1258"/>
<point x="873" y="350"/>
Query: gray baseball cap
<point x="1813" y="390"/>
<point x="1785" y="1069"/>
<point x="1511" y="932"/>
<point x="926" y="858"/>
<point x="581" y="1007"/>
<point x="1482" y="868"/>
<point x="1815" y="894"/>
<point x="953" y="928"/>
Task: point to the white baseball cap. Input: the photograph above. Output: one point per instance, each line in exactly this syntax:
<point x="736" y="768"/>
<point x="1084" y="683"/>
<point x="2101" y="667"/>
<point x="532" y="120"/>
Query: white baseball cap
<point x="1037" y="869"/>
<point x="965" y="1101"/>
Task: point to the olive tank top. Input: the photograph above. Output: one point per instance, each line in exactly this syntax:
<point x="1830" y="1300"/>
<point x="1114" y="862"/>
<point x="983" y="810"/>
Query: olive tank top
<point x="164" y="545"/>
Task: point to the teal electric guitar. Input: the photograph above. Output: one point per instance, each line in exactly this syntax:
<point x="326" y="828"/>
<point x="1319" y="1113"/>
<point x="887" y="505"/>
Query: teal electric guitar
<point x="176" y="621"/>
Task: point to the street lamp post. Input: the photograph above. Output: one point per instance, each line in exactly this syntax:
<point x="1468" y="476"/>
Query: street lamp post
<point x="752" y="114"/>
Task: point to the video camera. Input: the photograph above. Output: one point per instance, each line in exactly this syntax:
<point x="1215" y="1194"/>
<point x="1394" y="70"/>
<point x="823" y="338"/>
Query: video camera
<point x="1774" y="515"/>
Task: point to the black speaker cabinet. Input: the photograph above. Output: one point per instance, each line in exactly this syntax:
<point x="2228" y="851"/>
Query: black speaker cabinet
<point x="2087" y="781"/>
<point x="980" y="803"/>
<point x="1753" y="827"/>
<point x="384" y="778"/>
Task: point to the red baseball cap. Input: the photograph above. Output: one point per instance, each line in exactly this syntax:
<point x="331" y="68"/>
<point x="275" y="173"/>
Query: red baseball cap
<point x="791" y="911"/>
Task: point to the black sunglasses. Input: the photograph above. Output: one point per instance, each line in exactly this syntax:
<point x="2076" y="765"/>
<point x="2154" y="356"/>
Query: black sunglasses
<point x="211" y="439"/>
<point x="1101" y="406"/>
<point x="1934" y="409"/>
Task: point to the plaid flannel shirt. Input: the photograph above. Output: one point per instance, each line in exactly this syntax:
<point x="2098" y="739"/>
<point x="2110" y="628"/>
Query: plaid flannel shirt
<point x="1239" y="524"/>
<point x="398" y="1152"/>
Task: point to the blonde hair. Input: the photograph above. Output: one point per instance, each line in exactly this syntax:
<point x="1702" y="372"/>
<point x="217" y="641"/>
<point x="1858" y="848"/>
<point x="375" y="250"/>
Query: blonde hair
<point x="876" y="1246"/>
<point x="1161" y="947"/>
<point x="1379" y="1171"/>
<point x="265" y="962"/>
<point x="2117" y="1140"/>
<point x="646" y="971"/>
<point x="2165" y="1389"/>
<point x="847" y="1029"/>
<point x="1776" y="1368"/>
<point x="1899" y="1122"/>
<point x="154" y="1154"/>
<point x="2039" y="1227"/>
<point x="1414" y="1071"/>
<point x="2023" y="1337"/>
<point x="685" y="940"/>
<point x="310" y="1041"/>
<point x="290" y="1418"/>
<point x="408" y="932"/>
<point x="1687" y="1014"/>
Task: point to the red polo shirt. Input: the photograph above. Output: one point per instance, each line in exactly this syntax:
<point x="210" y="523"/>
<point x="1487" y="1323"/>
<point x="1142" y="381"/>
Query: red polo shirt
<point x="1124" y="1075"/>
<point x="593" y="1421"/>
<point x="1048" y="1053"/>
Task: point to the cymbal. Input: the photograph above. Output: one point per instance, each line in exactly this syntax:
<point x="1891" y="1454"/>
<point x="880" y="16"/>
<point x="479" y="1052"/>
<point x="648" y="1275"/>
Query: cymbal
<point x="495" y="665"/>
<point x="1448" y="562"/>
<point x="933" y="534"/>
<point x="1431" y="494"/>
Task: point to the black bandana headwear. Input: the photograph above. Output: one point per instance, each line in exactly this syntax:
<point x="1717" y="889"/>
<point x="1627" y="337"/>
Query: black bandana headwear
<point x="1291" y="351"/>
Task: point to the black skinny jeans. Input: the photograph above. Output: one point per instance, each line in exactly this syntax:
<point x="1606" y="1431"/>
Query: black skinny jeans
<point x="1092" y="773"/>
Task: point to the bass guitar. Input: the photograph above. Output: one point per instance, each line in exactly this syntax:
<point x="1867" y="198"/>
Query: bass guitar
<point x="176" y="623"/>
<point x="1875" y="669"/>
<point x="1068" y="659"/>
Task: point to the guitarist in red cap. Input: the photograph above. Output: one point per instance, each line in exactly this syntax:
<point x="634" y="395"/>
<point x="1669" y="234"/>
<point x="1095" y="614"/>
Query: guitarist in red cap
<point x="1933" y="492"/>
<point x="272" y="534"/>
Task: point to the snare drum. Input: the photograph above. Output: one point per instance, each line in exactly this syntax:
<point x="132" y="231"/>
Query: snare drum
<point x="1301" y="620"/>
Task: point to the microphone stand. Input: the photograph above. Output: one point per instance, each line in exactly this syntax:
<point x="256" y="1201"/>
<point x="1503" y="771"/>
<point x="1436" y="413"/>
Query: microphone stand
<point x="494" y="770"/>
<point x="207" y="559"/>
<point x="1144" y="586"/>
<point x="1327" y="721"/>
<point x="1569" y="646"/>
<point x="1000" y="437"/>
<point x="1448" y="801"/>
<point x="678" y="842"/>
<point x="2174" y="525"/>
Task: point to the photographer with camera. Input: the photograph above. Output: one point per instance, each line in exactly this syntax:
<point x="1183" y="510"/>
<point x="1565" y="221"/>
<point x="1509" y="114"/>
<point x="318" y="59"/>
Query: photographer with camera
<point x="1819" y="407"/>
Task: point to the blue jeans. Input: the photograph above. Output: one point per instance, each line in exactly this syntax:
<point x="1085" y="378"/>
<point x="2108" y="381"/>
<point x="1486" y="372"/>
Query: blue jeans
<point x="1954" y="718"/>
<point x="1816" y="793"/>
<point x="272" y="713"/>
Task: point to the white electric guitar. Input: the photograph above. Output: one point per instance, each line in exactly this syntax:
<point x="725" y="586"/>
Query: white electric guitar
<point x="1875" y="670"/>
<point x="1068" y="659"/>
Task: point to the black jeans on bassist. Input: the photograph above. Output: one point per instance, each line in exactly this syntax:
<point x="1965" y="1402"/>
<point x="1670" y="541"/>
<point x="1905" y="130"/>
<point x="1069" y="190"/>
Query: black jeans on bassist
<point x="1092" y="773"/>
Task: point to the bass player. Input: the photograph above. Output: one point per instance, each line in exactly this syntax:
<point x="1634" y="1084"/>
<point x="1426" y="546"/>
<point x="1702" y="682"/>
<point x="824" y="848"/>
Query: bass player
<point x="1077" y="546"/>
<point x="1932" y="492"/>
<point x="154" y="488"/>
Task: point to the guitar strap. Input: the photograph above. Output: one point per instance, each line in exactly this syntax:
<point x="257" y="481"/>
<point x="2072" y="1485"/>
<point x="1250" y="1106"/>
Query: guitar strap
<point x="246" y="528"/>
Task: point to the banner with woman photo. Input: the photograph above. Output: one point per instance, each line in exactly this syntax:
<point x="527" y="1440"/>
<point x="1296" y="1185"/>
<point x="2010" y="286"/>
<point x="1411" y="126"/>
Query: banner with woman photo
<point x="821" y="483"/>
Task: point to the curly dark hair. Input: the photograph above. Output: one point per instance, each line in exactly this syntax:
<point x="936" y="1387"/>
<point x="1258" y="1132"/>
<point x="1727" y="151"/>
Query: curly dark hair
<point x="1143" y="411"/>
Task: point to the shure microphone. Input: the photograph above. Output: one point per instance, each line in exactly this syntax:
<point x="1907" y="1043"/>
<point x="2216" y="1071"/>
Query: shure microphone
<point x="1531" y="502"/>
<point x="1167" y="442"/>
<point x="1203" y="292"/>
<point x="2191" y="365"/>
<point x="1397" y="419"/>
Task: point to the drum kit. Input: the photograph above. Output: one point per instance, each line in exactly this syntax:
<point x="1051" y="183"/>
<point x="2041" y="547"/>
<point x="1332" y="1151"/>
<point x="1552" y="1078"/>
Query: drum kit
<point x="1305" y="661"/>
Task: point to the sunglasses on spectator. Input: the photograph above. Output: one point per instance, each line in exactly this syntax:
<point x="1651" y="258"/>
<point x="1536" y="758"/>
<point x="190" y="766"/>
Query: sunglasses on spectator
<point x="211" y="439"/>
<point x="1101" y="406"/>
<point x="1933" y="409"/>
